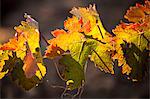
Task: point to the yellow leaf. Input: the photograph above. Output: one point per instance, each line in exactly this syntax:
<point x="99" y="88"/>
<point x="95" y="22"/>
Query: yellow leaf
<point x="126" y="69"/>
<point x="3" y="57"/>
<point x="41" y="72"/>
<point x="2" y="74"/>
<point x="25" y="44"/>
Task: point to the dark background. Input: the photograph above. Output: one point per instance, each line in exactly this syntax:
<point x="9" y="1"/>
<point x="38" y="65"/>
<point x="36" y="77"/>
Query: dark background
<point x="51" y="14"/>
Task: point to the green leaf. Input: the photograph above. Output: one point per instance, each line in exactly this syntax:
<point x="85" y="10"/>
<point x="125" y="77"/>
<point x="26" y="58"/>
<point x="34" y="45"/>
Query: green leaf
<point x="73" y="72"/>
<point x="137" y="60"/>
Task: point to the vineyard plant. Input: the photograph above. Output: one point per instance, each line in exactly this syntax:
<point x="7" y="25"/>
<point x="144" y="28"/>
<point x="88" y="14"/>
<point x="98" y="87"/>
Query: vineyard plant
<point x="82" y="39"/>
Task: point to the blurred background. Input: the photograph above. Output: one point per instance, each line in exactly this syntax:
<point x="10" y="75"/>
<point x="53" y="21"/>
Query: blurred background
<point x="51" y="14"/>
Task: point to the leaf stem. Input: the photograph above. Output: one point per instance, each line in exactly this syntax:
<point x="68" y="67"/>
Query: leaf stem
<point x="57" y="70"/>
<point x="44" y="39"/>
<point x="56" y="86"/>
<point x="62" y="95"/>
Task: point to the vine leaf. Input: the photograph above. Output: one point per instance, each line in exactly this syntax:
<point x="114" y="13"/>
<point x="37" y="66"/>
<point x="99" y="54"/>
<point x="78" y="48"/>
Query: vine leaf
<point x="136" y="36"/>
<point x="64" y="41"/>
<point x="137" y="60"/>
<point x="85" y="37"/>
<point x="25" y="45"/>
<point x="83" y="34"/>
<point x="4" y="55"/>
<point x="73" y="72"/>
<point x="132" y="33"/>
<point x="91" y="23"/>
<point x="135" y="14"/>
<point x="30" y="67"/>
<point x="138" y="12"/>
<point x="102" y="58"/>
<point x="71" y="41"/>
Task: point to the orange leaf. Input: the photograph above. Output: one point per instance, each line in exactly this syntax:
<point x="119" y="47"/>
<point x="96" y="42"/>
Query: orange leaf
<point x="126" y="69"/>
<point x="30" y="66"/>
<point x="73" y="24"/>
<point x="53" y="51"/>
<point x="58" y="32"/>
<point x="134" y="14"/>
<point x="87" y="27"/>
<point x="11" y="45"/>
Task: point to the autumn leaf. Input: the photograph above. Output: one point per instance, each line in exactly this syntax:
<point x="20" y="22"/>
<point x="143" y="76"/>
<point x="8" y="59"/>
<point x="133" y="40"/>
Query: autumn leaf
<point x="102" y="58"/>
<point x="138" y="12"/>
<point x="30" y="67"/>
<point x="91" y="23"/>
<point x="136" y="36"/>
<point x="60" y="44"/>
<point x="3" y="57"/>
<point x="82" y="38"/>
<point x="85" y="37"/>
<point x="135" y="14"/>
<point x="73" y="24"/>
<point x="94" y="34"/>
<point x="25" y="45"/>
<point x="129" y="34"/>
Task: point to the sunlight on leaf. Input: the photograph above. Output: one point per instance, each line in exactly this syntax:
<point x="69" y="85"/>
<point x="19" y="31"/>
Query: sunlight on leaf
<point x="25" y="45"/>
